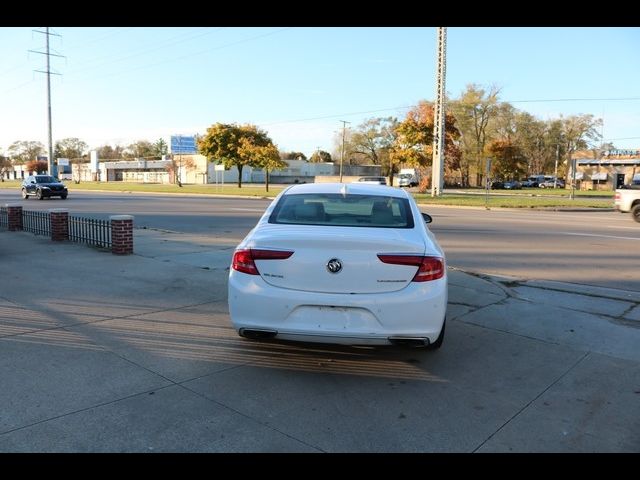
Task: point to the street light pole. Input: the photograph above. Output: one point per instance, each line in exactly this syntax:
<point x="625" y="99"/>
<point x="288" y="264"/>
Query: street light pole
<point x="344" y="124"/>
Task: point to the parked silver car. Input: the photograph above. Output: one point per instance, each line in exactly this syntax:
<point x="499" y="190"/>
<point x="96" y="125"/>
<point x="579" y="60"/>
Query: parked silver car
<point x="373" y="180"/>
<point x="550" y="184"/>
<point x="406" y="180"/>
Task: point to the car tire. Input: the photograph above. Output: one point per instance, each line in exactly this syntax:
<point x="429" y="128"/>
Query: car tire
<point x="25" y="195"/>
<point x="39" y="194"/>
<point x="63" y="196"/>
<point x="635" y="213"/>
<point x="438" y="343"/>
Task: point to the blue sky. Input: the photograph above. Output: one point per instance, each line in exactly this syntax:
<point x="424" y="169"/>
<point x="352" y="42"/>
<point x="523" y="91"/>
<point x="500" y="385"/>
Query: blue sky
<point x="122" y="84"/>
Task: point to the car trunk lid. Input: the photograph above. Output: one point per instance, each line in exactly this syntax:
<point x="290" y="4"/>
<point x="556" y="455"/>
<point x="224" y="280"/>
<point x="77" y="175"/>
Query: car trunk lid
<point x="337" y="260"/>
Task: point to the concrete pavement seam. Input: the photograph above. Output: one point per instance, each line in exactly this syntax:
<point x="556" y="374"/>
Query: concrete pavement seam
<point x="249" y="417"/>
<point x="459" y="319"/>
<point x="181" y="385"/>
<point x="171" y="382"/>
<point x="85" y="409"/>
<point x="116" y="354"/>
<point x="532" y="400"/>
<point x="623" y="315"/>
<point x="524" y="283"/>
<point x="493" y="280"/>
<point x="10" y="301"/>
<point x="520" y="282"/>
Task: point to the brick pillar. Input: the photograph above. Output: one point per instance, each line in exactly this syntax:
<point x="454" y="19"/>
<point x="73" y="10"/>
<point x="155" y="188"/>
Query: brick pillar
<point x="59" y="218"/>
<point x="121" y="234"/>
<point x="14" y="216"/>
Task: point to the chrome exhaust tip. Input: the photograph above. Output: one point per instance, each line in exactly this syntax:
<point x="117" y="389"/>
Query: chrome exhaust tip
<point x="409" y="341"/>
<point x="256" y="333"/>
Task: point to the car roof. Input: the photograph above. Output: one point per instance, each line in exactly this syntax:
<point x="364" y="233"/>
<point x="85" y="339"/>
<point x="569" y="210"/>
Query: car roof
<point x="352" y="188"/>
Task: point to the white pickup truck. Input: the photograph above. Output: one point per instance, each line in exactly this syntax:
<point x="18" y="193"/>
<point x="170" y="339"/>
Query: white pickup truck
<point x="628" y="200"/>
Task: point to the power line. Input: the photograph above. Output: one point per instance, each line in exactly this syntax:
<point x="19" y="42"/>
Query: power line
<point x="575" y="100"/>
<point x="109" y="33"/>
<point x="191" y="54"/>
<point x="335" y="116"/>
<point x="19" y="86"/>
<point x="415" y="105"/>
<point x="183" y="37"/>
<point x="4" y="72"/>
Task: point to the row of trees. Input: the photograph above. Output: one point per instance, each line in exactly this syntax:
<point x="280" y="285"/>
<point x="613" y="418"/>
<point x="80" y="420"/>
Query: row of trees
<point x="478" y="126"/>
<point x="21" y="152"/>
<point x="230" y="144"/>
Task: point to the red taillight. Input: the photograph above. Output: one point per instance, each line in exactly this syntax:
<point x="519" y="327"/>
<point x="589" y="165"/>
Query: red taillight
<point x="244" y="260"/>
<point x="617" y="196"/>
<point x="429" y="268"/>
<point x="270" y="254"/>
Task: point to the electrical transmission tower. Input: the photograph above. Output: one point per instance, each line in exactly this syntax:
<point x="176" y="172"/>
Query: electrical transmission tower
<point x="51" y="167"/>
<point x="437" y="170"/>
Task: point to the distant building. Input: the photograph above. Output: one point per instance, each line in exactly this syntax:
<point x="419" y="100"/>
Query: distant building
<point x="296" y="171"/>
<point x="613" y="169"/>
<point x="183" y="168"/>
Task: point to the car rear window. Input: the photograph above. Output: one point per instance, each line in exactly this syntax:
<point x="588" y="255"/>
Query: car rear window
<point x="339" y="210"/>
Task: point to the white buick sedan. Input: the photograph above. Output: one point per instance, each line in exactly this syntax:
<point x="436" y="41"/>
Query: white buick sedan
<point x="340" y="263"/>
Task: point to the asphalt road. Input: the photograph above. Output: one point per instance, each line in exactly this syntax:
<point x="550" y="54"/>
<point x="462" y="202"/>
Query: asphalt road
<point x="590" y="248"/>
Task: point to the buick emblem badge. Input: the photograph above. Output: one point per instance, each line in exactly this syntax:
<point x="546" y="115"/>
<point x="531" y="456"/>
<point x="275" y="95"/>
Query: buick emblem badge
<point x="334" y="265"/>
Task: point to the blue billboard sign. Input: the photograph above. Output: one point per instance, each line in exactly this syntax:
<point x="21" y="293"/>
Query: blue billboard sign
<point x="183" y="144"/>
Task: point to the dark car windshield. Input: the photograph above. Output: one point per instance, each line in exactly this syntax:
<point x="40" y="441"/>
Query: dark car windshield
<point x="45" y="179"/>
<point x="334" y="209"/>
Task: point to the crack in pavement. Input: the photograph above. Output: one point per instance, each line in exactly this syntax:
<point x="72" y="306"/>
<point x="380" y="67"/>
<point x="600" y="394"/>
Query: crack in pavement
<point x="580" y="360"/>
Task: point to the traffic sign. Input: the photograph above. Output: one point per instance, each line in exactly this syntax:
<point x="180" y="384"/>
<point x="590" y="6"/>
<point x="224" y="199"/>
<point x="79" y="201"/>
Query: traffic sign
<point x="183" y="144"/>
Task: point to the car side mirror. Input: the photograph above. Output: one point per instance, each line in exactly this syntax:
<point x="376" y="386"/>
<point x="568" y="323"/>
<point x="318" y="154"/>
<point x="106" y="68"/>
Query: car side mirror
<point x="33" y="181"/>
<point x="427" y="218"/>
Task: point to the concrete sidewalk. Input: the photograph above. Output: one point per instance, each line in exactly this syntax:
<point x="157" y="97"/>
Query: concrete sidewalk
<point x="105" y="353"/>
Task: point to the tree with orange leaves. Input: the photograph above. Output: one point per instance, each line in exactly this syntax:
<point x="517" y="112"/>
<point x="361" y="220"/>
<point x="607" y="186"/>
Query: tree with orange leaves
<point x="414" y="141"/>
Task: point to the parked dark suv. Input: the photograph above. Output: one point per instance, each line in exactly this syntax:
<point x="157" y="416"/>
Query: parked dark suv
<point x="43" y="186"/>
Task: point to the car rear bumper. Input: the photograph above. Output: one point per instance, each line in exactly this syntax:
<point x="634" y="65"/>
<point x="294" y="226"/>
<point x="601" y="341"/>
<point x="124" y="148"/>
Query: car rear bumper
<point x="416" y="311"/>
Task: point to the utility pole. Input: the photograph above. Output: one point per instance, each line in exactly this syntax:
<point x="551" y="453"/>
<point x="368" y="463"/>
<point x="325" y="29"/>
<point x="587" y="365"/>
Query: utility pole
<point x="572" y="162"/>
<point x="555" y="172"/>
<point x="180" y="157"/>
<point x="344" y="124"/>
<point x="51" y="166"/>
<point x="437" y="169"/>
